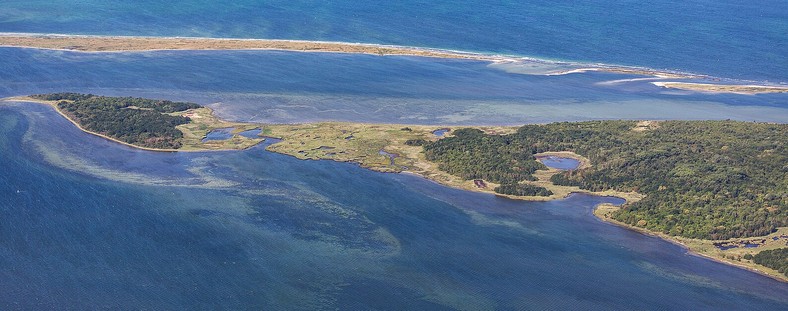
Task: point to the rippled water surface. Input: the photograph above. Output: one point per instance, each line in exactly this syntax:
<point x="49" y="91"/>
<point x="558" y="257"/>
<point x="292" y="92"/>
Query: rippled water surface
<point x="88" y="224"/>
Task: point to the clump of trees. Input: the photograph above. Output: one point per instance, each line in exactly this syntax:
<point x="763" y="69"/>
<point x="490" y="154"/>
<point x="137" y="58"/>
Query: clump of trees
<point x="472" y="154"/>
<point x="776" y="259"/>
<point x="416" y="142"/>
<point x="138" y="121"/>
<point x="702" y="179"/>
<point x="523" y="189"/>
<point x="62" y="96"/>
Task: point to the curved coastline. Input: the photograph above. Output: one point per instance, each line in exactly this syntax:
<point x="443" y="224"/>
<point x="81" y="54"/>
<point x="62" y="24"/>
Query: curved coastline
<point x="53" y="105"/>
<point x="601" y="212"/>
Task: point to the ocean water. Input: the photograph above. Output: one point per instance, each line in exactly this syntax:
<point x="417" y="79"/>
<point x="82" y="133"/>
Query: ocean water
<point x="284" y="87"/>
<point x="725" y="38"/>
<point x="86" y="223"/>
<point x="83" y="225"/>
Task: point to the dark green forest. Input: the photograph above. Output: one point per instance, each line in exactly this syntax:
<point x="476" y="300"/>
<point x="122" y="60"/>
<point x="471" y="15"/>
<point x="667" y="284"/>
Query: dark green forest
<point x="702" y="179"/>
<point x="471" y="154"/>
<point x="138" y="121"/>
<point x="776" y="259"/>
<point x="523" y="189"/>
<point x="416" y="142"/>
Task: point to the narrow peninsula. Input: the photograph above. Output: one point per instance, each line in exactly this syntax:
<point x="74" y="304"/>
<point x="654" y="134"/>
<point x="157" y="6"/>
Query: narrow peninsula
<point x="720" y="188"/>
<point x="95" y="43"/>
<point x="129" y="43"/>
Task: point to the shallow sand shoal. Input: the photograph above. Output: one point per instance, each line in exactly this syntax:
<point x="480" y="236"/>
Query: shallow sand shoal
<point x="723" y="88"/>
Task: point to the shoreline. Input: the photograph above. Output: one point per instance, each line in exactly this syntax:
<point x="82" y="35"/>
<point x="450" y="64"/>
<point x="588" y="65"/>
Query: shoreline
<point x="107" y="43"/>
<point x="120" y="44"/>
<point x="601" y="212"/>
<point x="429" y="171"/>
<point x="53" y="105"/>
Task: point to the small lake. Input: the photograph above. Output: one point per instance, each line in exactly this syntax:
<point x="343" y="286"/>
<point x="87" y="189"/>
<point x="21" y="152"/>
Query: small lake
<point x="219" y="134"/>
<point x="440" y="132"/>
<point x="730" y="246"/>
<point x="559" y="162"/>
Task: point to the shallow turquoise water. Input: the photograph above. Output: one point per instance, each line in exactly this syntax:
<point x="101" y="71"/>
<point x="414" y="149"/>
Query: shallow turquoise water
<point x="84" y="225"/>
<point x="728" y="38"/>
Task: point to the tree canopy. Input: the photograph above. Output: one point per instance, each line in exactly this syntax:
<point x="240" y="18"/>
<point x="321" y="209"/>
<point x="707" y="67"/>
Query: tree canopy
<point x="138" y="121"/>
<point x="702" y="179"/>
<point x="776" y="259"/>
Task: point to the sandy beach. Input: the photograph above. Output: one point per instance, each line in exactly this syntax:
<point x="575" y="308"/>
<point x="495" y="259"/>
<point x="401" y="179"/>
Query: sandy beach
<point x="91" y="43"/>
<point x="133" y="43"/>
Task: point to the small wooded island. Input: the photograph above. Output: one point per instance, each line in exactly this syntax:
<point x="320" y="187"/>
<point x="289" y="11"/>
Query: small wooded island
<point x="718" y="187"/>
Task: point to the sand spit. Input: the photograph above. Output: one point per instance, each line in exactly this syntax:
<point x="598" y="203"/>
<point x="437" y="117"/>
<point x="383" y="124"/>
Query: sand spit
<point x="133" y="43"/>
<point x="95" y="43"/>
<point x="723" y="88"/>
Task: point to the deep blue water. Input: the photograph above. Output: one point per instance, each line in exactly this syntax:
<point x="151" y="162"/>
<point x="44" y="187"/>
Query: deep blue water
<point x="726" y="38"/>
<point x="255" y="230"/>
<point x="301" y="87"/>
